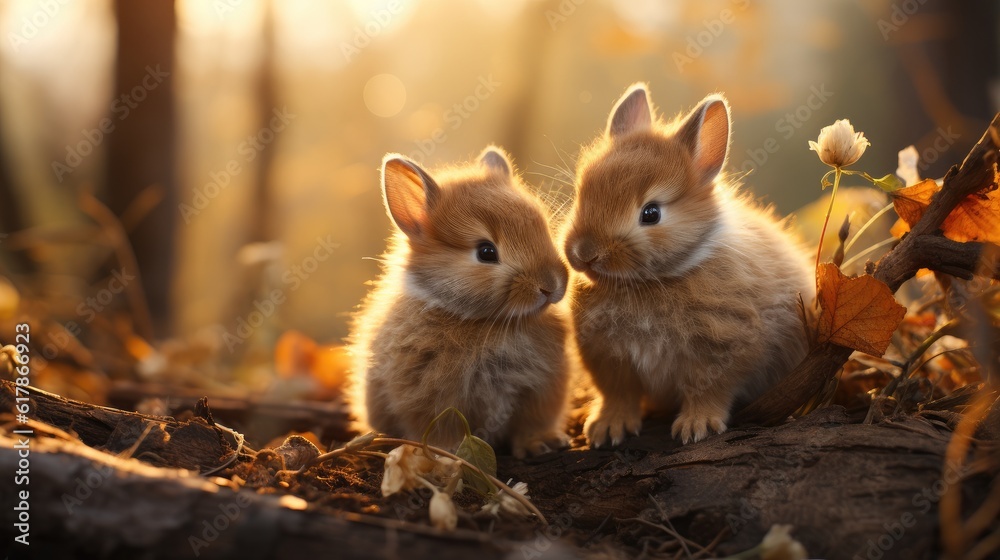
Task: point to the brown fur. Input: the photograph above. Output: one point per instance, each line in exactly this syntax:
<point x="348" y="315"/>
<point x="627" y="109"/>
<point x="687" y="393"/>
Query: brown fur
<point x="692" y="313"/>
<point x="442" y="329"/>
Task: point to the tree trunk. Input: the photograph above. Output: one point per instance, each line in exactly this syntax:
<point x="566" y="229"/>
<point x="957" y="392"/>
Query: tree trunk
<point x="140" y="150"/>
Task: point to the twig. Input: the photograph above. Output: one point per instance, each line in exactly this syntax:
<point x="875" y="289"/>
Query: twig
<point x="666" y="519"/>
<point x="668" y="531"/>
<point x="143" y="203"/>
<point x="985" y="547"/>
<point x="715" y="542"/>
<point x="941" y="331"/>
<point x="987" y="513"/>
<point x="396" y="441"/>
<point x="953" y="535"/>
<point x="126" y="258"/>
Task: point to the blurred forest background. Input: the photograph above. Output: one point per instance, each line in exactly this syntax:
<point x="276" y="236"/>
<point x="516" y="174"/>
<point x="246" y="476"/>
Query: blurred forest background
<point x="236" y="143"/>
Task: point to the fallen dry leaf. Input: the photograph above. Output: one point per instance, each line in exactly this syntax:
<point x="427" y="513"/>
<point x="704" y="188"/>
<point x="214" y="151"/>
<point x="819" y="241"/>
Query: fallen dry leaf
<point x="297" y="355"/>
<point x="294" y="354"/>
<point x="977" y="218"/>
<point x="859" y="313"/>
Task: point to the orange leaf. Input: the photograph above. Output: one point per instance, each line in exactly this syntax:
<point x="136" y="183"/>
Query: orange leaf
<point x="294" y="354"/>
<point x="977" y="218"/>
<point x="331" y="366"/>
<point x="138" y="347"/>
<point x="899" y="228"/>
<point x="911" y="202"/>
<point x="859" y="313"/>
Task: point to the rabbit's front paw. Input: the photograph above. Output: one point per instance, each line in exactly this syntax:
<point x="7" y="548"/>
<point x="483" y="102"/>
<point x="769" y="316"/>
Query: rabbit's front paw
<point x="693" y="425"/>
<point x="612" y="423"/>
<point x="539" y="444"/>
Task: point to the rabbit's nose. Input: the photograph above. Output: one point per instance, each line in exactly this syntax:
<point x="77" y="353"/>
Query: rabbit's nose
<point x="553" y="287"/>
<point x="584" y="254"/>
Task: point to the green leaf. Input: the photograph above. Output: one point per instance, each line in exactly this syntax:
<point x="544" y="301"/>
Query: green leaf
<point x="888" y="183"/>
<point x="433" y="424"/>
<point x="362" y="441"/>
<point x="480" y="454"/>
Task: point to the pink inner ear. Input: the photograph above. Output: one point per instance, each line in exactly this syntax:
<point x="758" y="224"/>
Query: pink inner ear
<point x="713" y="140"/>
<point x="631" y="114"/>
<point x="405" y="197"/>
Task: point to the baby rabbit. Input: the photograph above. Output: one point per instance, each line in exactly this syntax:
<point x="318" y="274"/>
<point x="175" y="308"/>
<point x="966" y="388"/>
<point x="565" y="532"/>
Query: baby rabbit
<point x="463" y="313"/>
<point x="690" y="293"/>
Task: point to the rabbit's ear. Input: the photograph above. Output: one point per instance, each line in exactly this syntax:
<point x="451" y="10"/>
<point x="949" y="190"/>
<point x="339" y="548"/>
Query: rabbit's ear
<point x="706" y="134"/>
<point x="495" y="160"/>
<point x="632" y="112"/>
<point x="408" y="192"/>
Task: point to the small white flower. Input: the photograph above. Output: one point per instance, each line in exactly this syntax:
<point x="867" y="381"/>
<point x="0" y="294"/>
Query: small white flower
<point x="507" y="503"/>
<point x="778" y="544"/>
<point x="403" y="466"/>
<point x="492" y="507"/>
<point x="442" y="511"/>
<point x="394" y="478"/>
<point x="510" y="504"/>
<point x="838" y="145"/>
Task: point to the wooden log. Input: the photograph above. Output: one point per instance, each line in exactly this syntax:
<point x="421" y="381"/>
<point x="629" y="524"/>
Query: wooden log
<point x="87" y="504"/>
<point x="261" y="419"/>
<point x="156" y="440"/>
<point x="846" y="487"/>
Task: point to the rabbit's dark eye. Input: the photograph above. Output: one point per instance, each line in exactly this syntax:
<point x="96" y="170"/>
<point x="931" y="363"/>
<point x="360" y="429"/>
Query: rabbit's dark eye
<point x="487" y="252"/>
<point x="650" y="214"/>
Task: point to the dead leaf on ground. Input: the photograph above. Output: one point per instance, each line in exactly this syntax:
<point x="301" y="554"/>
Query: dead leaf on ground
<point x="297" y="355"/>
<point x="859" y="313"/>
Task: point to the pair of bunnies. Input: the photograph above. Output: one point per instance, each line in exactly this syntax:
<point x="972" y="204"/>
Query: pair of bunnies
<point x="685" y="297"/>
